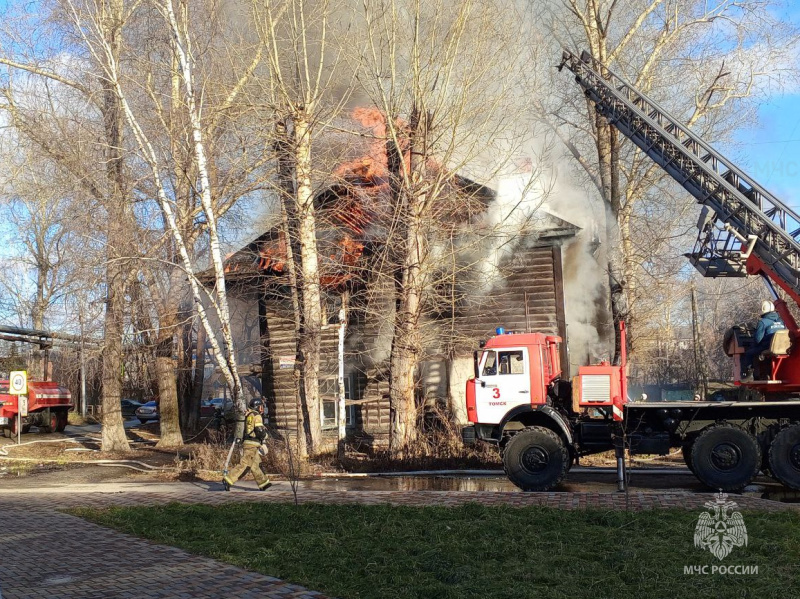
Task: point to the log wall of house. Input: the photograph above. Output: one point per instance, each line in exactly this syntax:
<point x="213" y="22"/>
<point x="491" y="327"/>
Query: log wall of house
<point x="530" y="298"/>
<point x="368" y="349"/>
<point x="278" y="358"/>
<point x="533" y="280"/>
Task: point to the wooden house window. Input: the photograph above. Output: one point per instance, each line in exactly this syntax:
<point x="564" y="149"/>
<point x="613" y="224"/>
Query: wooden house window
<point x="329" y="394"/>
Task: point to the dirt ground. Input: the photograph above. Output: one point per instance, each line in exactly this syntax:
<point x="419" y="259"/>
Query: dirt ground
<point x="74" y="456"/>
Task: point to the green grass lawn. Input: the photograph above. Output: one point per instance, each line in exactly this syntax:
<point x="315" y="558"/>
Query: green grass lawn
<point x="356" y="551"/>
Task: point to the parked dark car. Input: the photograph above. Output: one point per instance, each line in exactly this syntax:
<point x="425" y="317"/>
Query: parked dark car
<point x="208" y="407"/>
<point x="129" y="407"/>
<point x="147" y="412"/>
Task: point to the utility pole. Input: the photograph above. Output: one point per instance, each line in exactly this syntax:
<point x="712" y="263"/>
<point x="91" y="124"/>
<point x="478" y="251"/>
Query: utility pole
<point x="699" y="355"/>
<point x="83" y="367"/>
<point x="342" y="407"/>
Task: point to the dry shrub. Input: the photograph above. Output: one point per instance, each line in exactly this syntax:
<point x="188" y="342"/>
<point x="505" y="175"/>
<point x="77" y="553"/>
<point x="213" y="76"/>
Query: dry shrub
<point x="440" y="435"/>
<point x="209" y="455"/>
<point x="438" y="447"/>
<point x="283" y="459"/>
<point x="75" y="419"/>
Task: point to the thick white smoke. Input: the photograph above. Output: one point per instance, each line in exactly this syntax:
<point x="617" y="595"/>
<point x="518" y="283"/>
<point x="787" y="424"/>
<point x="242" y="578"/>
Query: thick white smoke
<point x="584" y="269"/>
<point x="526" y="202"/>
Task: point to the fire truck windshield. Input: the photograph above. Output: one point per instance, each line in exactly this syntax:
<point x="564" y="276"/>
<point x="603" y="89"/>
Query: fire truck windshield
<point x="503" y="362"/>
<point x="489" y="363"/>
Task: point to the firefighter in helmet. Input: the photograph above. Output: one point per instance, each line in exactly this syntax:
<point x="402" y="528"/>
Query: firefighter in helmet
<point x="255" y="434"/>
<point x="769" y="323"/>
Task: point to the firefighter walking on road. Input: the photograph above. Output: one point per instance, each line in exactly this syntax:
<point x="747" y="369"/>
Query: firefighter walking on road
<point x="255" y="434"/>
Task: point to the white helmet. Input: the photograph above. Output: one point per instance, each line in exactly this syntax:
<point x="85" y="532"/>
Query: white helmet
<point x="767" y="306"/>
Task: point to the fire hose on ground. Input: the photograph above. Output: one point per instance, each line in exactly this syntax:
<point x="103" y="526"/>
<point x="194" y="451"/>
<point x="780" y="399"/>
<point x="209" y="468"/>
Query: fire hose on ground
<point x="131" y="464"/>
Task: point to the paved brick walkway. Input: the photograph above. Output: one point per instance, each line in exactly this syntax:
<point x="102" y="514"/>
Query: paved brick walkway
<point x="46" y="553"/>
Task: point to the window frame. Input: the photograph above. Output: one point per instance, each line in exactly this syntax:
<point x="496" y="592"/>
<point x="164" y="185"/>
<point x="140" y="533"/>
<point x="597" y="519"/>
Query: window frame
<point x="331" y="423"/>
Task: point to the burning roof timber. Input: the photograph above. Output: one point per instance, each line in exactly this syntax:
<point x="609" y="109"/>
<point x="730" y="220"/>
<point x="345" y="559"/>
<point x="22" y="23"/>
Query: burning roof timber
<point x="355" y="212"/>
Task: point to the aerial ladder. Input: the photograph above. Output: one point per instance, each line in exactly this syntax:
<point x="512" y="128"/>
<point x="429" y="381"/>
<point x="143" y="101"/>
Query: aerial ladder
<point x="743" y="229"/>
<point x="542" y="422"/>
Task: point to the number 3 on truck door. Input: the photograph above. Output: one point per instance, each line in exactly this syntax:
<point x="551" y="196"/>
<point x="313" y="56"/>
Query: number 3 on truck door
<point x="496" y="393"/>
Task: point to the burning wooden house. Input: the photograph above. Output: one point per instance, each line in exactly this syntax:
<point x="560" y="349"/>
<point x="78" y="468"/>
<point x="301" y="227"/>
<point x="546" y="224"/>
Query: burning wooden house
<point x="481" y="277"/>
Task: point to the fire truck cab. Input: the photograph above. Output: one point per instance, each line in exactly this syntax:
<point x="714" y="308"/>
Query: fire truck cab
<point x="512" y="371"/>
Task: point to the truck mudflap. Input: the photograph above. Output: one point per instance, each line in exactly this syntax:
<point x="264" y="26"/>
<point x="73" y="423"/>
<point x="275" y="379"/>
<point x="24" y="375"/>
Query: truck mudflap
<point x="468" y="435"/>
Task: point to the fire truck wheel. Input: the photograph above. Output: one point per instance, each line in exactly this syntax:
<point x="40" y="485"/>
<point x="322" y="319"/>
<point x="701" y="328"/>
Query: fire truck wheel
<point x="725" y="457"/>
<point x="11" y="431"/>
<point x="784" y="457"/>
<point x="52" y="423"/>
<point x="535" y="459"/>
<point x="62" y="419"/>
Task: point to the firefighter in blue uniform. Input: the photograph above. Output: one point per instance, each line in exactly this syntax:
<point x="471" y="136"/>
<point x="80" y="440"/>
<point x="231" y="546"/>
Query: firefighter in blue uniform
<point x="253" y="447"/>
<point x="769" y="323"/>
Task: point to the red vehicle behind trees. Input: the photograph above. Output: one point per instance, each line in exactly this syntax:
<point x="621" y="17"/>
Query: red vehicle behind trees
<point x="48" y="402"/>
<point x="48" y="406"/>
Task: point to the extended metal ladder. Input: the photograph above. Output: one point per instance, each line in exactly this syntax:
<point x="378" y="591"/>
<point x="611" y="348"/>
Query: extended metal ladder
<point x="737" y="211"/>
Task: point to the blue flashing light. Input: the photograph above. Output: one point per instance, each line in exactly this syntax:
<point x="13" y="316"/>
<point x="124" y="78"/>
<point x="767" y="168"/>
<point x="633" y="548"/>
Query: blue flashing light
<point x="500" y="330"/>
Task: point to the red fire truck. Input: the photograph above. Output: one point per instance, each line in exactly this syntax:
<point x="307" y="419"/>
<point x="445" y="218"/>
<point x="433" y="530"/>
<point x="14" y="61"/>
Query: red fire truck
<point x="48" y="406"/>
<point x="543" y="423"/>
<point x="48" y="403"/>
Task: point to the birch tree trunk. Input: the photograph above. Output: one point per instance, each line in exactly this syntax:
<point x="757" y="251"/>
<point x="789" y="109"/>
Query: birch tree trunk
<point x="410" y="285"/>
<point x="113" y="431"/>
<point x="181" y="50"/>
<point x="309" y="274"/>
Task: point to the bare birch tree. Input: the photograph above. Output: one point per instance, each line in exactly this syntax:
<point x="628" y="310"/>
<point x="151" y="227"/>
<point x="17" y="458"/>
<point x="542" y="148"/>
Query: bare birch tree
<point x="204" y="30"/>
<point x="222" y="343"/>
<point x="302" y="63"/>
<point x="443" y="74"/>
